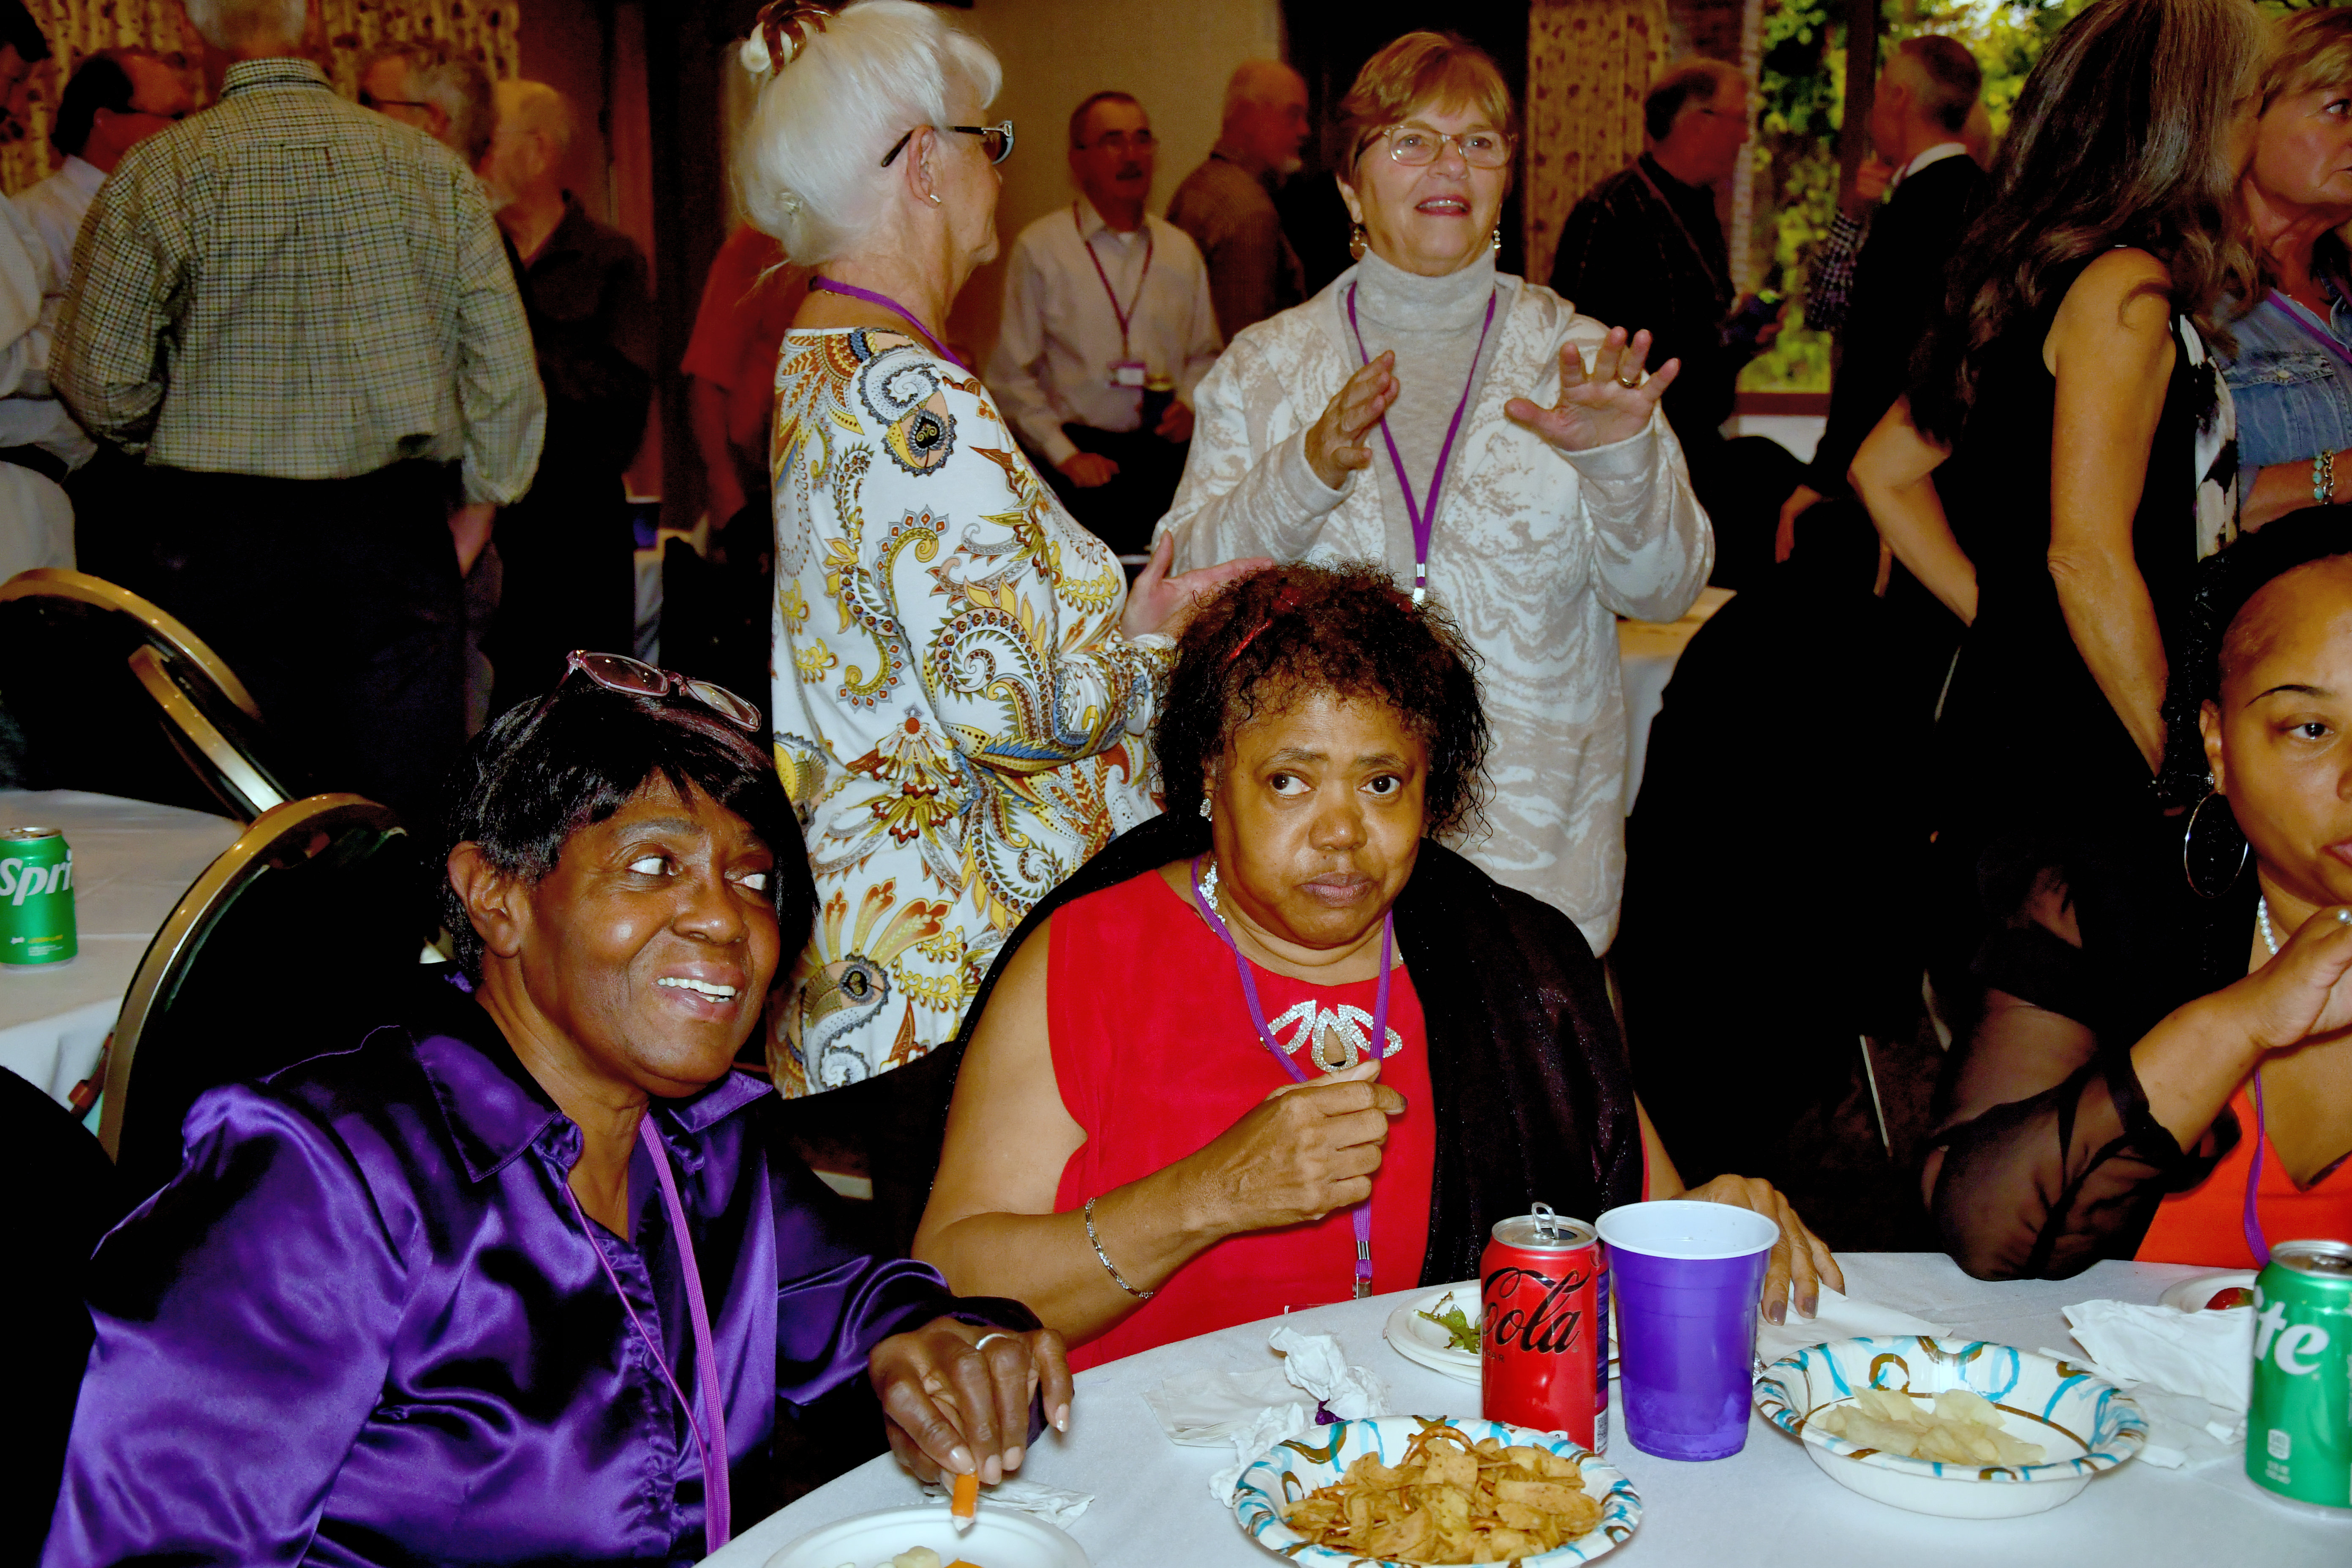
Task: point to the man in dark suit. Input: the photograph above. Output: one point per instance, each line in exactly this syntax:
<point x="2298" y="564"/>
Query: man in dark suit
<point x="1917" y="118"/>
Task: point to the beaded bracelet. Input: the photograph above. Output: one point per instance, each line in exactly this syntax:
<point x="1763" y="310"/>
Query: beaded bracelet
<point x="2323" y="478"/>
<point x="1116" y="1278"/>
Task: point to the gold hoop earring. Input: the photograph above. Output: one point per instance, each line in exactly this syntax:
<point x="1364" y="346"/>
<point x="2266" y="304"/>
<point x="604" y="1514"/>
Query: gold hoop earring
<point x="2204" y="856"/>
<point x="1358" y="241"/>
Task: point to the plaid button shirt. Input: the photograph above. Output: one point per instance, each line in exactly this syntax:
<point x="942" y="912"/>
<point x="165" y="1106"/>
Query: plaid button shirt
<point x="290" y="285"/>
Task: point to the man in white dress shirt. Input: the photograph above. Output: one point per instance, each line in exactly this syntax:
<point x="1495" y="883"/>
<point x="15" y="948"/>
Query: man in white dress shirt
<point x="1108" y="328"/>
<point x="117" y="99"/>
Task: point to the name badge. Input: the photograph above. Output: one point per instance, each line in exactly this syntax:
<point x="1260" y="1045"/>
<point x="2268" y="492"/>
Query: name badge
<point x="1128" y="373"/>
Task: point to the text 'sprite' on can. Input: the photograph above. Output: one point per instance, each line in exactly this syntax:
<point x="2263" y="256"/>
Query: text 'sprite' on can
<point x="1544" y="1329"/>
<point x="36" y="902"/>
<point x="2299" y="1425"/>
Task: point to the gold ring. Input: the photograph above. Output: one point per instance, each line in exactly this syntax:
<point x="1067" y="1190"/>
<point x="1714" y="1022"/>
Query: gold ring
<point x="1629" y="384"/>
<point x="982" y="1343"/>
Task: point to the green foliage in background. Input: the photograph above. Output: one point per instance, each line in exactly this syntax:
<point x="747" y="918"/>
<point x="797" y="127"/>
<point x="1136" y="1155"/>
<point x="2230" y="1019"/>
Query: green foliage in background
<point x="1801" y="108"/>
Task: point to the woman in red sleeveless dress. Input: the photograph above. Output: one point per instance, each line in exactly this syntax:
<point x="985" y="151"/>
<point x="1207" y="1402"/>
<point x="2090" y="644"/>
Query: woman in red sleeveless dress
<point x="2223" y="1126"/>
<point x="1298" y="1051"/>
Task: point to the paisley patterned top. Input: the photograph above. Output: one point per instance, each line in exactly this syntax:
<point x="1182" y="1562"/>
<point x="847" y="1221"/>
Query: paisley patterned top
<point x="957" y="716"/>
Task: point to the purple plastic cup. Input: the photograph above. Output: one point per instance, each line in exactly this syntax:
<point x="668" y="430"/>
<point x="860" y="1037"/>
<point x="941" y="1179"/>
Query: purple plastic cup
<point x="1686" y="1276"/>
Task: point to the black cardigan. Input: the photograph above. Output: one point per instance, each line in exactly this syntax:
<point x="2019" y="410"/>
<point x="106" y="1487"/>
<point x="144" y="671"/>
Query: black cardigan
<point x="1529" y="1086"/>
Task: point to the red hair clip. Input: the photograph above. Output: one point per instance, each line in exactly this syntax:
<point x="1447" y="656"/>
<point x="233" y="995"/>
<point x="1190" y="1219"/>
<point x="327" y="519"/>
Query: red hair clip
<point x="1287" y="599"/>
<point x="783" y="30"/>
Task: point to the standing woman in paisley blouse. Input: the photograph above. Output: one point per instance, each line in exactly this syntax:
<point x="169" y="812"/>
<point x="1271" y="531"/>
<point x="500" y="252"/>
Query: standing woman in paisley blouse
<point x="1490" y="446"/>
<point x="2067" y="453"/>
<point x="963" y="681"/>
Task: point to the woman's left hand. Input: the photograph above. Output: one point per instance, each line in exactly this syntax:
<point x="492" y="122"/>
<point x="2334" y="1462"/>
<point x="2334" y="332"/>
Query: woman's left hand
<point x="1611" y="404"/>
<point x="1798" y="1257"/>
<point x="955" y="1396"/>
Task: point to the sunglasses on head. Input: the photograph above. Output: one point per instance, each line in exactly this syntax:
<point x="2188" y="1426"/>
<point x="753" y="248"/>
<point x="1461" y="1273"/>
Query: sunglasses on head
<point x="618" y="672"/>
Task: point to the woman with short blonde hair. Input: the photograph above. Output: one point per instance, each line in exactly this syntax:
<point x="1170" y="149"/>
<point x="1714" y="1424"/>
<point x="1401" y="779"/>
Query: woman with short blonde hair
<point x="1492" y="448"/>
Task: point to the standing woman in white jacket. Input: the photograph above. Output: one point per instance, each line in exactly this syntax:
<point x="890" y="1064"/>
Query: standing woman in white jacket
<point x="1491" y="446"/>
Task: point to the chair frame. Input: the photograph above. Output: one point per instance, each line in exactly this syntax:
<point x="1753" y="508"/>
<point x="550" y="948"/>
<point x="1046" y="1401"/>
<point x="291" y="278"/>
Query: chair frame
<point x="282" y="837"/>
<point x="55" y="583"/>
<point x="201" y="732"/>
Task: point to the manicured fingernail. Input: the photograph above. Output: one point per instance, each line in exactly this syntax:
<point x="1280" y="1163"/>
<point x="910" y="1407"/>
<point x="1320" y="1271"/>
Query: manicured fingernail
<point x="1061" y="1418"/>
<point x="960" y="1459"/>
<point x="991" y="1470"/>
<point x="1778" y="1311"/>
<point x="1012" y="1457"/>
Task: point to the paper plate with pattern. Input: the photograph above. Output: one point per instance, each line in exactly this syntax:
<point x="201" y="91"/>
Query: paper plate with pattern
<point x="1290" y="1470"/>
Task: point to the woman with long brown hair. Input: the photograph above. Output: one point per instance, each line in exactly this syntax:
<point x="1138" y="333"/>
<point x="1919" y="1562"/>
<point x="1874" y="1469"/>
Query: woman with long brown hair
<point x="2066" y="453"/>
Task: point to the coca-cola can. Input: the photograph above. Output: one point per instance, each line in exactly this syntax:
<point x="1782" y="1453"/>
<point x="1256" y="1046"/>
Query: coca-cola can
<point x="1543" y="1327"/>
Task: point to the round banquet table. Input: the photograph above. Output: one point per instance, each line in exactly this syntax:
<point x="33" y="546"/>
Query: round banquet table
<point x="1766" y="1507"/>
<point x="133" y="859"/>
<point x="1646" y="652"/>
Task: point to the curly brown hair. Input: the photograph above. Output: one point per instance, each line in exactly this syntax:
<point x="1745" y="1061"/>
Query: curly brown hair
<point x="1277" y="637"/>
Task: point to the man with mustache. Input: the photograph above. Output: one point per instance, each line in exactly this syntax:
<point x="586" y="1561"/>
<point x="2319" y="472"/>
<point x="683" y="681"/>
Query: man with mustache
<point x="1108" y="328"/>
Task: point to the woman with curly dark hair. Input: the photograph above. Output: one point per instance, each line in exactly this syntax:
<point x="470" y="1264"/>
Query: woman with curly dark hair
<point x="2193" y="1104"/>
<point x="2066" y="455"/>
<point x="1280" y="1044"/>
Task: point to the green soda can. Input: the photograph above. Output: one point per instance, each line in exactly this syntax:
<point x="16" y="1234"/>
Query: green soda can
<point x="2299" y="1426"/>
<point x="36" y="902"/>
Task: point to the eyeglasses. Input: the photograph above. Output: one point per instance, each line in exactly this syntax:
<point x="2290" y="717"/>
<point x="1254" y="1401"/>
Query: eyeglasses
<point x="996" y="141"/>
<point x="1121" y="141"/>
<point x="618" y="672"/>
<point x="1415" y="147"/>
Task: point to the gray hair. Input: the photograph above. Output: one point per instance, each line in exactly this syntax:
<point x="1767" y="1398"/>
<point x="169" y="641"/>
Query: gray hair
<point x="455" y="84"/>
<point x="226" y="23"/>
<point x="536" y="108"/>
<point x="810" y="162"/>
<point x="1256" y="81"/>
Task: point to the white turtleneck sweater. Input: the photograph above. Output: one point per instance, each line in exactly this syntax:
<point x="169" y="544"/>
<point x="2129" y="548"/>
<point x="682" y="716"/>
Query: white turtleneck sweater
<point x="1536" y="551"/>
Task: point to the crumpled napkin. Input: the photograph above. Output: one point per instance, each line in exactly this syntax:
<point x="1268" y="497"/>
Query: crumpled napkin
<point x="1841" y="1316"/>
<point x="1048" y="1503"/>
<point x="1253" y="1411"/>
<point x="2208" y="1354"/>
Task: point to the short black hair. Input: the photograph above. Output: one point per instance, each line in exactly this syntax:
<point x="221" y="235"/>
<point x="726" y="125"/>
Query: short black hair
<point x="101" y="81"/>
<point x="2224" y="584"/>
<point x="1086" y="107"/>
<point x="1954" y="78"/>
<point x="19" y="28"/>
<point x="548" y="768"/>
<point x="1694" y="78"/>
<point x="1345" y="630"/>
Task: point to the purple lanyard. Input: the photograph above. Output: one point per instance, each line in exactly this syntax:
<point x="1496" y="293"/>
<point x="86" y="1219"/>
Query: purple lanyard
<point x="1424" y="517"/>
<point x="2255" y="1241"/>
<point x="715" y="1533"/>
<point x="828" y="285"/>
<point x="2293" y="309"/>
<point x="1362" y="1214"/>
<point x="1129" y="314"/>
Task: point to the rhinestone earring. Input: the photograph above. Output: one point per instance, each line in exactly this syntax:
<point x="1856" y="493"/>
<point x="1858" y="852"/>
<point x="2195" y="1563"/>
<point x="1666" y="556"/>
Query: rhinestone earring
<point x="1204" y="807"/>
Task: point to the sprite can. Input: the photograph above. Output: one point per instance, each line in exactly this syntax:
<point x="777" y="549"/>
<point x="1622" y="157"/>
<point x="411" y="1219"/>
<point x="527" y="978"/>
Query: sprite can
<point x="2299" y="1426"/>
<point x="36" y="901"/>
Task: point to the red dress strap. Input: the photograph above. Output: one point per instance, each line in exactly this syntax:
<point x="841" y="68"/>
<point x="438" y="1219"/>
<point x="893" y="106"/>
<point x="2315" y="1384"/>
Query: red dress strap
<point x="1155" y="1056"/>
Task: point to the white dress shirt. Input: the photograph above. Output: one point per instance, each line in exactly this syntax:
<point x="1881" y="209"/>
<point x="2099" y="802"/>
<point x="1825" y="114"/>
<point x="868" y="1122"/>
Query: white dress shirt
<point x="56" y="207"/>
<point x="35" y="519"/>
<point x="1060" y="336"/>
<point x="1936" y="154"/>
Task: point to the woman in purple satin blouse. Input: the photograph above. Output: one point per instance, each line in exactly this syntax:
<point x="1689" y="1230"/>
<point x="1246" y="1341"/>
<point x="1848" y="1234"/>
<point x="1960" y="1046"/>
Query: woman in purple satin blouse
<point x="424" y="1299"/>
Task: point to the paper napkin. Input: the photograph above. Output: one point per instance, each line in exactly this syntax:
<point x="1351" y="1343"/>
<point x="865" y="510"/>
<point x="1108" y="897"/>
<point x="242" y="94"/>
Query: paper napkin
<point x="1253" y="1411"/>
<point x="2209" y="1354"/>
<point x="1048" y="1503"/>
<point x="1841" y="1316"/>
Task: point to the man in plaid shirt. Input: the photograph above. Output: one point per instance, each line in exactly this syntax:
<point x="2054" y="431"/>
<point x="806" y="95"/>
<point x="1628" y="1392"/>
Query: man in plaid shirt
<point x="299" y="314"/>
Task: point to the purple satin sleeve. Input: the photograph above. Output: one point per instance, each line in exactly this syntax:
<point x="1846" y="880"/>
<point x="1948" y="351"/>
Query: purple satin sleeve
<point x="362" y="1326"/>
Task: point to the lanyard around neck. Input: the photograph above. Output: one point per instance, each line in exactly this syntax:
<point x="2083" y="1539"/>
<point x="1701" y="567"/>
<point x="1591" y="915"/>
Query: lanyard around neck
<point x="2251" y="1220"/>
<point x="827" y="286"/>
<point x="1424" y="517"/>
<point x="1126" y="315"/>
<point x="714" y="1452"/>
<point x="1361" y="1216"/>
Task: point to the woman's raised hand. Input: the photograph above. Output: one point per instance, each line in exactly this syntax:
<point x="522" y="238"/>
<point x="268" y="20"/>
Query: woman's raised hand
<point x="2304" y="991"/>
<point x="955" y="1396"/>
<point x="1302" y="1152"/>
<point x="1800" y="1260"/>
<point x="1335" y="443"/>
<point x="1157" y="602"/>
<point x="1609" y="404"/>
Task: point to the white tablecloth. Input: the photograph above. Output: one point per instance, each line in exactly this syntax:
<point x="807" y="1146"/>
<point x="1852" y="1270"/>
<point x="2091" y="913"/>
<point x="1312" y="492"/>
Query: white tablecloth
<point x="1766" y="1507"/>
<point x="1647" y="650"/>
<point x="133" y="860"/>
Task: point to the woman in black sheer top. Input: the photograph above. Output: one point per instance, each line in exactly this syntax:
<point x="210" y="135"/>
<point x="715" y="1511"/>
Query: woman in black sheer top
<point x="2113" y="1100"/>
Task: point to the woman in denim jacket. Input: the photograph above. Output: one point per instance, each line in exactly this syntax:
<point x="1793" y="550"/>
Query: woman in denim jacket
<point x="2292" y="376"/>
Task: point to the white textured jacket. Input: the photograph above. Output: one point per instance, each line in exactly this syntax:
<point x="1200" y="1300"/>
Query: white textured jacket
<point x="1535" y="550"/>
